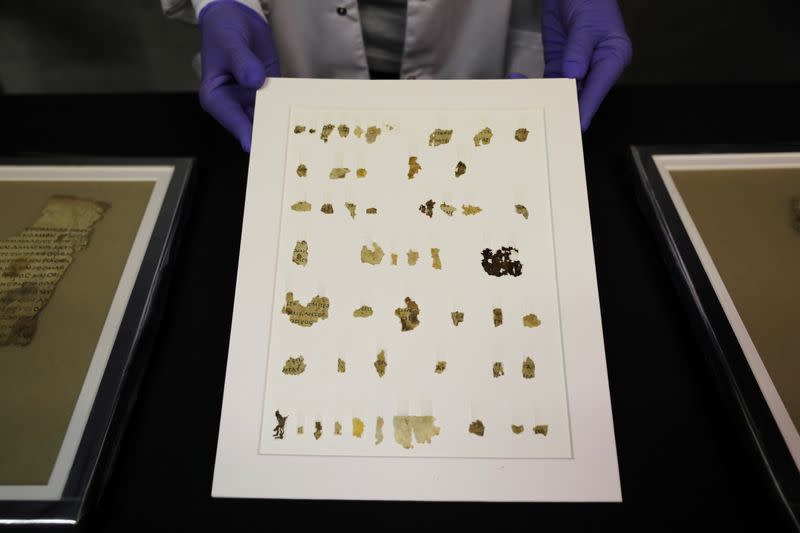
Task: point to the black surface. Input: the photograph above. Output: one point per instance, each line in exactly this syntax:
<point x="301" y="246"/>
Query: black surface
<point x="682" y="464"/>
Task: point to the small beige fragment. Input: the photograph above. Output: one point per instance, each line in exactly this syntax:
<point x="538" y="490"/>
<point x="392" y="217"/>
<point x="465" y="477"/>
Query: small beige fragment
<point x="531" y="321"/>
<point x="521" y="135"/>
<point x="439" y="136"/>
<point x="413" y="167"/>
<point x="312" y="131"/>
<point x="497" y="369"/>
<point x="364" y="311"/>
<point x="300" y="254"/>
<point x="381" y="364"/>
<point x="408" y="315"/>
<point x="351" y="208"/>
<point x="372" y="134"/>
<point x="497" y="316"/>
<point x="470" y="209"/>
<point x="300" y="430"/>
<point x="437" y="262"/>
<point x="458" y="317"/>
<point x="358" y="427"/>
<point x="517" y="429"/>
<point x="483" y="137"/>
<point x="528" y="368"/>
<point x="378" y="430"/>
<point x="361" y="172"/>
<point x="477" y="428"/>
<point x="394" y="259"/>
<point x="440" y="367"/>
<point x="327" y="209"/>
<point x="339" y="173"/>
<point x="301" y="206"/>
<point x="326" y="132"/>
<point x="540" y="430"/>
<point x="306" y="315"/>
<point x="317" y="430"/>
<point x="421" y="428"/>
<point x="427" y="208"/>
<point x="522" y="210"/>
<point x="302" y="170"/>
<point x="358" y="132"/>
<point x="461" y="168"/>
<point x="413" y="257"/>
<point x="337" y="428"/>
<point x="372" y="257"/>
<point x="343" y="130"/>
<point x="372" y="210"/>
<point x="294" y="366"/>
<point x="448" y="209"/>
<point x="299" y="129"/>
<point x="341" y="366"/>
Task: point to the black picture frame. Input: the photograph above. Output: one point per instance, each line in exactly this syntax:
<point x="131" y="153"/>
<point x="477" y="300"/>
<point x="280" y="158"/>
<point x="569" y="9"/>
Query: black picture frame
<point x="116" y="394"/>
<point x="738" y="389"/>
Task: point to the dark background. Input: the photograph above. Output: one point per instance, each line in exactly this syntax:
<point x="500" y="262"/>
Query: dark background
<point x="73" y="46"/>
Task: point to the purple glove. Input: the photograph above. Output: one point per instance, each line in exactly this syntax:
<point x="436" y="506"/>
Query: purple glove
<point x="237" y="54"/>
<point x="585" y="40"/>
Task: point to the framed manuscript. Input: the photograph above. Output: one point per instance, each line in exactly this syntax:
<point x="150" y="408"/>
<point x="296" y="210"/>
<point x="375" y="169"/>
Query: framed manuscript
<point x="83" y="249"/>
<point x="729" y="222"/>
<point x="416" y="313"/>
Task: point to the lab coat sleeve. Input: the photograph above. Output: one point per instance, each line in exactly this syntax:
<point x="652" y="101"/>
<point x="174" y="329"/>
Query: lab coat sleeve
<point x="186" y="10"/>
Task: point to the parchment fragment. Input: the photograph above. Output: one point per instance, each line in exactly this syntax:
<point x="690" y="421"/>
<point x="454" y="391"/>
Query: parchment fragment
<point x="408" y="315"/>
<point x="300" y="254"/>
<point x="364" y="311"/>
<point x="458" y="317"/>
<point x="358" y="132"/>
<point x="300" y="430"/>
<point x="294" y="366"/>
<point x="528" y="368"/>
<point x="497" y="369"/>
<point x="33" y="262"/>
<point x="372" y="257"/>
<point x="517" y="429"/>
<point x="372" y="210"/>
<point x="381" y="364"/>
<point x="312" y="131"/>
<point x="421" y="428"/>
<point x="461" y="168"/>
<point x="477" y="428"/>
<point x="302" y="170"/>
<point x="437" y="262"/>
<point x="339" y="173"/>
<point x="439" y="136"/>
<point x="413" y="167"/>
<point x="327" y="209"/>
<point x="344" y="130"/>
<point x="278" y="430"/>
<point x="413" y="257"/>
<point x="301" y="206"/>
<point x="470" y="209"/>
<point x="351" y="208"/>
<point x="531" y="321"/>
<point x="483" y="137"/>
<point x="337" y="428"/>
<point x="341" y="366"/>
<point x="299" y="129"/>
<point x="448" y="209"/>
<point x="317" y="430"/>
<point x="378" y="430"/>
<point x="427" y="208"/>
<point x="358" y="427"/>
<point x="501" y="262"/>
<point x="497" y="316"/>
<point x="372" y="134"/>
<point x="441" y="366"/>
<point x="306" y="315"/>
<point x="326" y="132"/>
<point x="394" y="259"/>
<point x="522" y="210"/>
<point x="361" y="172"/>
<point x="521" y="135"/>
<point x="540" y="430"/>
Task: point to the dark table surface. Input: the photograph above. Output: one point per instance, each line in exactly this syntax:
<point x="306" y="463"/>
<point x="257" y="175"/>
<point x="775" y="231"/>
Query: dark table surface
<point x="681" y="458"/>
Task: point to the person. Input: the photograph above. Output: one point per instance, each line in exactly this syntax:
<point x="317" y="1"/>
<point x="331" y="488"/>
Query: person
<point x="243" y="42"/>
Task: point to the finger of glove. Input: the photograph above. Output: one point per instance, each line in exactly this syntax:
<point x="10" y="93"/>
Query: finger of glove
<point x="517" y="76"/>
<point x="578" y="49"/>
<point x="246" y="67"/>
<point x="227" y="103"/>
<point x="264" y="48"/>
<point x="605" y="71"/>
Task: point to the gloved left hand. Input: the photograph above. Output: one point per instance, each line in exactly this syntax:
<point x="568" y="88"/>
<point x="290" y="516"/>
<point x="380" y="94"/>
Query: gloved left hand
<point x="585" y="40"/>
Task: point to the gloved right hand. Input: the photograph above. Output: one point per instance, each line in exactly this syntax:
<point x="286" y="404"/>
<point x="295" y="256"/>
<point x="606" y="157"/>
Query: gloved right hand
<point x="237" y="55"/>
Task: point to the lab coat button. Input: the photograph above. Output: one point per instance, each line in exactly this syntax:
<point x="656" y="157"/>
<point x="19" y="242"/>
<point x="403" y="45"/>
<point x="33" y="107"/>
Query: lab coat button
<point x="341" y="11"/>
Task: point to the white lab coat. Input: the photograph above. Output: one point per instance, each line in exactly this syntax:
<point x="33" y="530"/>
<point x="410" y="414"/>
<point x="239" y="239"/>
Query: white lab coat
<point x="464" y="39"/>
